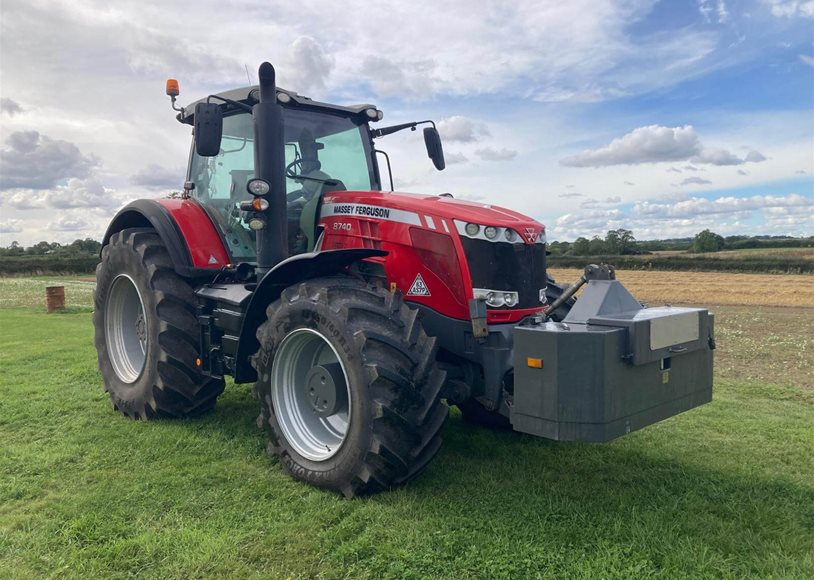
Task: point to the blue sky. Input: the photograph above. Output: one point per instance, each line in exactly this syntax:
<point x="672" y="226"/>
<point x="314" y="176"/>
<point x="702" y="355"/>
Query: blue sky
<point x="665" y="118"/>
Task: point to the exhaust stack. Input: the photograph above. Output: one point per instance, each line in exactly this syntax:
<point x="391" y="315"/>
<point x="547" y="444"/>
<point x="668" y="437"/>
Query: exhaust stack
<point x="269" y="163"/>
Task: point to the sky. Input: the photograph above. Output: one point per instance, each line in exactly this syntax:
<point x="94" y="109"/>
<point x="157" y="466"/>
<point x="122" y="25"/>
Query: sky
<point x="662" y="117"/>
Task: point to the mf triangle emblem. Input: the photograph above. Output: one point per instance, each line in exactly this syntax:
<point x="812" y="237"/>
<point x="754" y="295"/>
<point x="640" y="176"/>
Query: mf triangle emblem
<point x="419" y="288"/>
<point x="212" y="259"/>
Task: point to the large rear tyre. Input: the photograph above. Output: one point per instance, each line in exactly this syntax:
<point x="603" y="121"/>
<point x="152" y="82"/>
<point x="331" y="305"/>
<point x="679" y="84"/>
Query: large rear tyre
<point x="472" y="411"/>
<point x="146" y="332"/>
<point x="348" y="386"/>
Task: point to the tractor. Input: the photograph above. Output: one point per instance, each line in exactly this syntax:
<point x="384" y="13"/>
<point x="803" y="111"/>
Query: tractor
<point x="361" y="314"/>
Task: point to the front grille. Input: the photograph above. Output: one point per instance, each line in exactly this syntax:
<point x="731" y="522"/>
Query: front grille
<point x="504" y="266"/>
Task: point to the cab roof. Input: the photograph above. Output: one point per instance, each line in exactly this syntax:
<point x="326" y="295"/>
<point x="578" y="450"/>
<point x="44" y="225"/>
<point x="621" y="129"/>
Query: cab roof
<point x="251" y="96"/>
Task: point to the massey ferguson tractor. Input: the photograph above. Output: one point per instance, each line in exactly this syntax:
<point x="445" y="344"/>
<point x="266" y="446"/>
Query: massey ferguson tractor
<point x="361" y="314"/>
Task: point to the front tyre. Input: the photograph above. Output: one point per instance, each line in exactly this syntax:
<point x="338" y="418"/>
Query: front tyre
<point x="348" y="386"/>
<point x="146" y="332"/>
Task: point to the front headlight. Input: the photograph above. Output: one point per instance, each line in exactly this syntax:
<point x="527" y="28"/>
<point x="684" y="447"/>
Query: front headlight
<point x="496" y="298"/>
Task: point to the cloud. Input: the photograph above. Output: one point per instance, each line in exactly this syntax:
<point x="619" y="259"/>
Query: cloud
<point x="34" y="161"/>
<point x="690" y="168"/>
<point x="405" y="79"/>
<point x="86" y="193"/>
<point x="10" y="226"/>
<point x="656" y="144"/>
<point x="695" y="181"/>
<point x="65" y="224"/>
<point x="567" y="195"/>
<point x="679" y="217"/>
<point x="674" y="170"/>
<point x="9" y="107"/>
<point x="754" y="157"/>
<point x="613" y="199"/>
<point x="742" y="172"/>
<point x="455" y="158"/>
<point x="809" y="60"/>
<point x="309" y="66"/>
<point x="649" y="144"/>
<point x="157" y="177"/>
<point x="706" y="9"/>
<point x="791" y="8"/>
<point x="489" y="154"/>
<point x="629" y="183"/>
<point x="24" y="199"/>
<point x="461" y="129"/>
<point x="723" y="205"/>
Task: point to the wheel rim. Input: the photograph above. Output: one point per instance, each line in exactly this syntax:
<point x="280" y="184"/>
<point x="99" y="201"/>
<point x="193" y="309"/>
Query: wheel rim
<point x="125" y="329"/>
<point x="310" y="394"/>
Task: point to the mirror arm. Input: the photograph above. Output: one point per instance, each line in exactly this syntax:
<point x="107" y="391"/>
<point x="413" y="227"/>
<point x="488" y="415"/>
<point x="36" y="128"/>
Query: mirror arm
<point x="396" y="128"/>
<point x="389" y="171"/>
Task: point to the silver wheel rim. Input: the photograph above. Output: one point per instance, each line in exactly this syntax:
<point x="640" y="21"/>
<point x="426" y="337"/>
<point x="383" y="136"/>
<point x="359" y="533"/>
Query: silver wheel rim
<point x="315" y="429"/>
<point x="125" y="329"/>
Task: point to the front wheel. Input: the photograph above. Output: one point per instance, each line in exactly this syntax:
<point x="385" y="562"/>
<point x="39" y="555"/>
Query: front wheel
<point x="348" y="386"/>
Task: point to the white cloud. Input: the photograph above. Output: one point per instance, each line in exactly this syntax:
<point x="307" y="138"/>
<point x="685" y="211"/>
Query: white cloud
<point x="695" y="181"/>
<point x="10" y="226"/>
<point x="455" y="158"/>
<point x="461" y="129"/>
<point x="10" y="106"/>
<point x="64" y="224"/>
<point x="723" y="205"/>
<point x="35" y="161"/>
<point x="309" y="66"/>
<point x="85" y="193"/>
<point x="706" y="9"/>
<point x="490" y="154"/>
<point x="656" y="144"/>
<point x="159" y="178"/>
<point x="791" y="8"/>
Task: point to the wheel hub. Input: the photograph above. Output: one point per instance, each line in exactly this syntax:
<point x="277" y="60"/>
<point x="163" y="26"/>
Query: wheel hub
<point x="327" y="391"/>
<point x="310" y="394"/>
<point x="125" y="329"/>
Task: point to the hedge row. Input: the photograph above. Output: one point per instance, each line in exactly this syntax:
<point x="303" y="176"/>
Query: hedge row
<point x="760" y="264"/>
<point x="44" y="265"/>
<point x="38" y="265"/>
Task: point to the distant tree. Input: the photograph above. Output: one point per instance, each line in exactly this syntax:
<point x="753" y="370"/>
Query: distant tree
<point x="580" y="247"/>
<point x="707" y="241"/>
<point x="619" y="242"/>
<point x="596" y="246"/>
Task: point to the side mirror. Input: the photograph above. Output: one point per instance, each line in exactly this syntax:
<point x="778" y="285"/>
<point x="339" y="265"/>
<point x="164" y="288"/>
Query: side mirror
<point x="208" y="129"/>
<point x="434" y="149"/>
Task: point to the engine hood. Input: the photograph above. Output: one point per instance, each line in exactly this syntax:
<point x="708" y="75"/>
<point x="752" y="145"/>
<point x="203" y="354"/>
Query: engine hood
<point x="440" y="206"/>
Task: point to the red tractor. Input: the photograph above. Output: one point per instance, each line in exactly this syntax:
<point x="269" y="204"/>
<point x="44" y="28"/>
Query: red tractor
<point x="361" y="314"/>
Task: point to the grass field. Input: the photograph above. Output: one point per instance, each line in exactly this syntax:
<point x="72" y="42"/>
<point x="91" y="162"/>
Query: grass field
<point x="726" y="490"/>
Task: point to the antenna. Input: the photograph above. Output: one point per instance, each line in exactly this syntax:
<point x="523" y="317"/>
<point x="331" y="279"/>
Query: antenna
<point x="247" y="73"/>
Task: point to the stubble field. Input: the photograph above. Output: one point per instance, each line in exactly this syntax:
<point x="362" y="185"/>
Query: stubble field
<point x="726" y="490"/>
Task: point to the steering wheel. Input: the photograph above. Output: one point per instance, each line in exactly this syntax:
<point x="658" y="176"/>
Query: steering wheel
<point x="289" y="169"/>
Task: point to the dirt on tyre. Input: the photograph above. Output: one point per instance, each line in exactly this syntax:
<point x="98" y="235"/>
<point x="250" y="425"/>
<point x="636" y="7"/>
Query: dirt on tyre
<point x="146" y="331"/>
<point x="349" y="391"/>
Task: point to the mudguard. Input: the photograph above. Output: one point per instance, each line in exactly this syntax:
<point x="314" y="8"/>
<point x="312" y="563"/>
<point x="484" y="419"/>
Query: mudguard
<point x="191" y="239"/>
<point x="287" y="273"/>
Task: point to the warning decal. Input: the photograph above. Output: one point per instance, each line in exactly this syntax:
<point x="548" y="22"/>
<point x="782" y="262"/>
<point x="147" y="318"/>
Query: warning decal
<point x="419" y="288"/>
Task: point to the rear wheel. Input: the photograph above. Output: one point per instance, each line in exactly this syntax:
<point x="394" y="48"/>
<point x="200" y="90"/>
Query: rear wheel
<point x="146" y="332"/>
<point x="348" y="386"/>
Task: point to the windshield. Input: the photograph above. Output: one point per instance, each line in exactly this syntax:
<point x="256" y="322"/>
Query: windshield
<point x="322" y="152"/>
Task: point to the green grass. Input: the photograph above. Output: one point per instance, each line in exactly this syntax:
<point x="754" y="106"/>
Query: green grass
<point x="726" y="490"/>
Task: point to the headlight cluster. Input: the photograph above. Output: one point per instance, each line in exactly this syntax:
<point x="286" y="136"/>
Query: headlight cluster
<point x="493" y="233"/>
<point x="496" y="298"/>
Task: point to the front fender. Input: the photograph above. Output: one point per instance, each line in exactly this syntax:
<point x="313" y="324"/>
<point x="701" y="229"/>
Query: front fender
<point x="292" y="271"/>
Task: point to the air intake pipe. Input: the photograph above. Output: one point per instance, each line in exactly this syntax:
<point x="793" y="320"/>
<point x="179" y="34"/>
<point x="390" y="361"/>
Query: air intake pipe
<point x="269" y="164"/>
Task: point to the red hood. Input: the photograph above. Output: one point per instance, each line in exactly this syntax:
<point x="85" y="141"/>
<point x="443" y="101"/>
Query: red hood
<point x="448" y="207"/>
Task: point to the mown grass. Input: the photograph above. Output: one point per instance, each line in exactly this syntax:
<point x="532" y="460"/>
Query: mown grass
<point x="726" y="490"/>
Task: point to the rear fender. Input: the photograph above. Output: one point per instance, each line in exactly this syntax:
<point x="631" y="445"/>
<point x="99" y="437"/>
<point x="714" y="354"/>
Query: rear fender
<point x="292" y="271"/>
<point x="191" y="239"/>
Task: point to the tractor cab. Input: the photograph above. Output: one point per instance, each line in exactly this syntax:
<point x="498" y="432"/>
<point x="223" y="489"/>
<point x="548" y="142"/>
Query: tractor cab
<point x="327" y="149"/>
